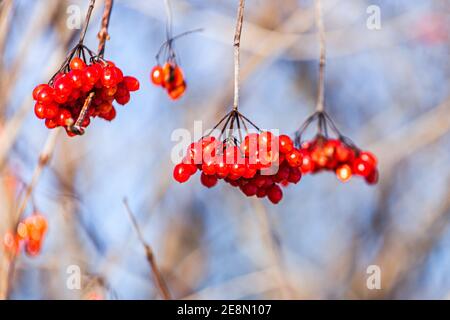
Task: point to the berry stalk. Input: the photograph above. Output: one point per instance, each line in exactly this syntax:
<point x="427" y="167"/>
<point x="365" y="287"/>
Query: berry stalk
<point x="237" y="45"/>
<point x="321" y="30"/>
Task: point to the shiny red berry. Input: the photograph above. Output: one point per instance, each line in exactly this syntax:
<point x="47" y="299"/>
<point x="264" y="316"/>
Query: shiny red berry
<point x="131" y="83"/>
<point x="77" y="64"/>
<point x="208" y="181"/>
<point x="275" y="194"/>
<point x="285" y="143"/>
<point x="294" y="158"/>
<point x="157" y="75"/>
<point x="181" y="173"/>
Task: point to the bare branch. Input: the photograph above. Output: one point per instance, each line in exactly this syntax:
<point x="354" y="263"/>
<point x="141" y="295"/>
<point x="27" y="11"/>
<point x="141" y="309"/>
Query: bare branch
<point x="159" y="280"/>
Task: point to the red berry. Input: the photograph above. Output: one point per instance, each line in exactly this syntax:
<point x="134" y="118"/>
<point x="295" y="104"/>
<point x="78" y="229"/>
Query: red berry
<point x="157" y="75"/>
<point x="294" y="158"/>
<point x="237" y="170"/>
<point x="208" y="180"/>
<point x="177" y="92"/>
<point x="118" y="74"/>
<point x="249" y="189"/>
<point x="33" y="247"/>
<point x="109" y="76"/>
<point x="282" y="174"/>
<point x="77" y="78"/>
<point x="51" y="111"/>
<point x="63" y="86"/>
<point x="44" y="94"/>
<point x="181" y="172"/>
<point x="372" y="178"/>
<point x="265" y="141"/>
<point x="39" y="110"/>
<point x="368" y="157"/>
<point x="110" y="115"/>
<point x="222" y="168"/>
<point x="295" y="175"/>
<point x="208" y="167"/>
<point x="307" y="162"/>
<point x="250" y="144"/>
<point x="92" y="74"/>
<point x="362" y="168"/>
<point x="131" y="83"/>
<point x="261" y="193"/>
<point x="344" y="172"/>
<point x="64" y="118"/>
<point x="286" y="144"/>
<point x="77" y="64"/>
<point x="124" y="98"/>
<point x="275" y="194"/>
<point x="51" y="123"/>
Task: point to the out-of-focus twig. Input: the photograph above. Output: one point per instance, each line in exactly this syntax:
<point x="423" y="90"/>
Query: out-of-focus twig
<point x="157" y="275"/>
<point x="321" y="31"/>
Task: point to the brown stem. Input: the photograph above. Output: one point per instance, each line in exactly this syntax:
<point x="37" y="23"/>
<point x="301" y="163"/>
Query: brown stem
<point x="103" y="34"/>
<point x="159" y="280"/>
<point x="321" y="30"/>
<point x="76" y="128"/>
<point x="86" y="21"/>
<point x="237" y="45"/>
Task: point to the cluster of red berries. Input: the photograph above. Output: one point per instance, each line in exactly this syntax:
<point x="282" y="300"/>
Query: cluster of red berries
<point x="30" y="233"/>
<point x="336" y="155"/>
<point x="170" y="77"/>
<point x="257" y="167"/>
<point x="61" y="101"/>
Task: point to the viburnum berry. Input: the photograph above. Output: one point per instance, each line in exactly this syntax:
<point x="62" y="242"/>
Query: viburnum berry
<point x="157" y="75"/>
<point x="208" y="181"/>
<point x="275" y="194"/>
<point x="285" y="143"/>
<point x="344" y="172"/>
<point x="30" y="232"/>
<point x="77" y="64"/>
<point x="181" y="173"/>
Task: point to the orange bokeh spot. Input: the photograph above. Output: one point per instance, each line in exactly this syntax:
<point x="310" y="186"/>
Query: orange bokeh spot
<point x="344" y="173"/>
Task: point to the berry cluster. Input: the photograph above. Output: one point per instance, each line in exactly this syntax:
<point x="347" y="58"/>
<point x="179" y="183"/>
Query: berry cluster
<point x="30" y="233"/>
<point x="258" y="166"/>
<point x="336" y="155"/>
<point x="80" y="91"/>
<point x="340" y="155"/>
<point x="170" y="77"/>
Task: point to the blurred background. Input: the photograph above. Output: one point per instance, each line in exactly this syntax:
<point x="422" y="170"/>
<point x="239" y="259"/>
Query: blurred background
<point x="387" y="89"/>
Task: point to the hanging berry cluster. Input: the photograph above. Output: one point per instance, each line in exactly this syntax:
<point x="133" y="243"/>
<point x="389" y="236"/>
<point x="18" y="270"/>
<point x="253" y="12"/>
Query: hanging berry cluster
<point x="258" y="164"/>
<point x="170" y="78"/>
<point x="169" y="75"/>
<point x="29" y="234"/>
<point x="85" y="87"/>
<point x="80" y="91"/>
<point x="339" y="155"/>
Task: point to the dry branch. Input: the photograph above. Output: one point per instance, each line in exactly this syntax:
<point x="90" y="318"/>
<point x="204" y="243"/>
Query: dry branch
<point x="157" y="275"/>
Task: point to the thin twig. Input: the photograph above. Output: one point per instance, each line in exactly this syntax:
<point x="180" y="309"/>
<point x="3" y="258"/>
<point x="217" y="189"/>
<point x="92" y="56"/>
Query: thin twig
<point x="76" y="128"/>
<point x="321" y="31"/>
<point x="86" y="21"/>
<point x="44" y="158"/>
<point x="237" y="45"/>
<point x="159" y="280"/>
<point x="103" y="35"/>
